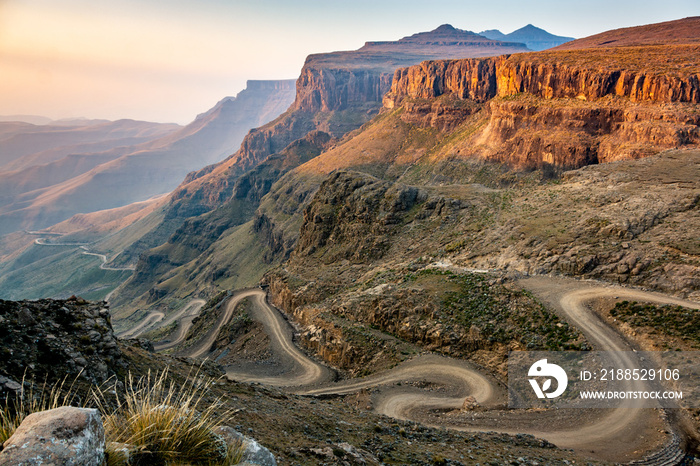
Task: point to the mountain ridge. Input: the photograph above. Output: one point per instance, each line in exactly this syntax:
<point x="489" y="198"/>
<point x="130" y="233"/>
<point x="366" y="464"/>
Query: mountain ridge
<point x="535" y="38"/>
<point x="134" y="173"/>
<point x="681" y="31"/>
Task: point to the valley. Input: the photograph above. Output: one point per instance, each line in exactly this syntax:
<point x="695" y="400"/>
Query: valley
<point x="357" y="253"/>
<point x="392" y="395"/>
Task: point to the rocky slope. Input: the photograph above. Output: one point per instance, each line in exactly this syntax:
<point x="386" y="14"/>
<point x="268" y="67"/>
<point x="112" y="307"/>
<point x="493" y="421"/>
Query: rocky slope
<point x="351" y="271"/>
<point x="338" y="92"/>
<point x="232" y="203"/>
<point x="430" y="194"/>
<point x="378" y="260"/>
<point x="296" y="429"/>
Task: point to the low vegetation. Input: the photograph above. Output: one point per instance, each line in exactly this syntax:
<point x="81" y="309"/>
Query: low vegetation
<point x="506" y="315"/>
<point x="28" y="401"/>
<point x="158" y="421"/>
<point x="167" y="423"/>
<point x="674" y="321"/>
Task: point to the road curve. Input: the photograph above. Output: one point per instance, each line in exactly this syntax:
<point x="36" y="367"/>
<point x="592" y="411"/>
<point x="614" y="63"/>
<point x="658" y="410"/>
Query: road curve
<point x="467" y="380"/>
<point x="203" y="346"/>
<point x="569" y="297"/>
<point x="150" y="319"/>
<point x="103" y="258"/>
<point x="86" y="251"/>
<point x="191" y="309"/>
<point x="42" y="242"/>
<point x="303" y="372"/>
<point x="185" y="316"/>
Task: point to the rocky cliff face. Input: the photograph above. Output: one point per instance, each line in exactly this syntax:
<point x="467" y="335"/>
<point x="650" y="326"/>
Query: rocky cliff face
<point x="550" y="75"/>
<point x="473" y="79"/>
<point x="566" y="109"/>
<point x="324" y="89"/>
<point x="528" y="132"/>
<point x="340" y="91"/>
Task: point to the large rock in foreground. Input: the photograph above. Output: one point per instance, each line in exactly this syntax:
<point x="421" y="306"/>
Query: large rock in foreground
<point x="66" y="436"/>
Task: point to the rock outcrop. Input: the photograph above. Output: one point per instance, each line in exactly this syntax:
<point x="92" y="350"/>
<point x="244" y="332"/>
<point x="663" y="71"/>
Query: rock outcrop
<point x="70" y="436"/>
<point x="253" y="453"/>
<point x="529" y="132"/>
<point x="321" y="89"/>
<point x="57" y="339"/>
<point x="350" y="216"/>
<point x="67" y="436"/>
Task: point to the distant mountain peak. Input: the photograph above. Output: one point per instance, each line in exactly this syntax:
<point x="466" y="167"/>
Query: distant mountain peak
<point x="444" y="32"/>
<point x="533" y="33"/>
<point x="493" y="34"/>
<point x="535" y="38"/>
<point x="444" y="28"/>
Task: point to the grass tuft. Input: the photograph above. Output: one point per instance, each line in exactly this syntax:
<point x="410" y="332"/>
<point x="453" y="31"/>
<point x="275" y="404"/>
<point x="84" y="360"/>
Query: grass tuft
<point x="27" y="402"/>
<point x="165" y="423"/>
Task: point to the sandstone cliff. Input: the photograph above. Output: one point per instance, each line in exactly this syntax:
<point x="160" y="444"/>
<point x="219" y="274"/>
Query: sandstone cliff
<point x="336" y="93"/>
<point x="566" y="109"/>
<point x="339" y="91"/>
<point x="650" y="74"/>
<point x="323" y="89"/>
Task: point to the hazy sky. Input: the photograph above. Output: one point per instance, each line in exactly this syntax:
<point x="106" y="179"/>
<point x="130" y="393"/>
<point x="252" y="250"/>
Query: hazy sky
<point x="167" y="60"/>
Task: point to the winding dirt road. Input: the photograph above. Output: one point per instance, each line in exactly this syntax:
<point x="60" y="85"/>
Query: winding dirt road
<point x="150" y="319"/>
<point x="612" y="433"/>
<point x="184" y="315"/>
<point x="203" y="346"/>
<point x="303" y="370"/>
<point x="103" y="258"/>
<point x="86" y="251"/>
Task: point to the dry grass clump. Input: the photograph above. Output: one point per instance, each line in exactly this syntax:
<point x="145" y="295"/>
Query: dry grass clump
<point x="152" y="421"/>
<point x="27" y="402"/>
<point x="165" y="423"/>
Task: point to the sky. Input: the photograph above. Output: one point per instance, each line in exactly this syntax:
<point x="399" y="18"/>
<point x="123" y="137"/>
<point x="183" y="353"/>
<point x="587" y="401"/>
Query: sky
<point x="169" y="60"/>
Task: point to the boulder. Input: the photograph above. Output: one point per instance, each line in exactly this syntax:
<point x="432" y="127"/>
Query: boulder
<point x="64" y="436"/>
<point x="254" y="454"/>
